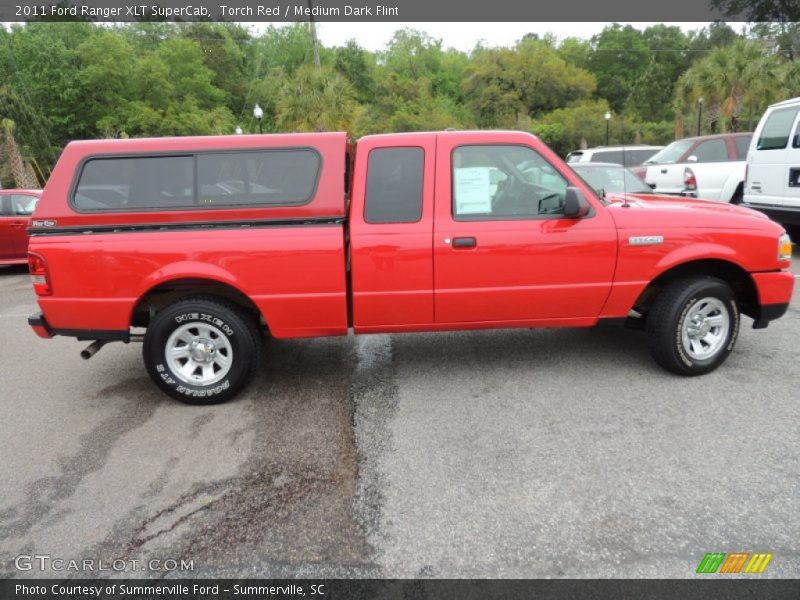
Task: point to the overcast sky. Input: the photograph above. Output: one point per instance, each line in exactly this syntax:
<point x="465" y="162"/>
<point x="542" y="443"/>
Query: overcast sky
<point x="464" y="36"/>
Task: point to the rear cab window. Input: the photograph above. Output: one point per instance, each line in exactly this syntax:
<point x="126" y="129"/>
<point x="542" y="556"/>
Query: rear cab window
<point x="284" y="177"/>
<point x="775" y="133"/>
<point x="608" y="156"/>
<point x="394" y="185"/>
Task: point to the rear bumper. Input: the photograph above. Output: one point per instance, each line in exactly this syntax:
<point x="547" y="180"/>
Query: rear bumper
<point x="43" y="329"/>
<point x="774" y="294"/>
<point x="39" y="325"/>
<point x="785" y="215"/>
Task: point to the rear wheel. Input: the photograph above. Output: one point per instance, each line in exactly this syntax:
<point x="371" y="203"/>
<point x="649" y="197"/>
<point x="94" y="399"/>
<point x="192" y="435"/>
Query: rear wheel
<point x="201" y="350"/>
<point x="693" y="325"/>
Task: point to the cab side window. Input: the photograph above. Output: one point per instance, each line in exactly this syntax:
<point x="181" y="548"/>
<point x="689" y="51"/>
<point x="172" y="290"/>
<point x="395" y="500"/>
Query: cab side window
<point x="495" y="182"/>
<point x="775" y="133"/>
<point x="711" y="151"/>
<point x="394" y="185"/>
<point x="742" y="145"/>
<point x="23" y="205"/>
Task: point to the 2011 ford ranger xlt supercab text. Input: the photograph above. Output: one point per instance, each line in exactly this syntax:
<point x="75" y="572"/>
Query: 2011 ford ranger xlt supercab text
<point x="211" y="243"/>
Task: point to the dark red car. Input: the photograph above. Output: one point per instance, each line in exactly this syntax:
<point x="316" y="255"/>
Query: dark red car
<point x="16" y="208"/>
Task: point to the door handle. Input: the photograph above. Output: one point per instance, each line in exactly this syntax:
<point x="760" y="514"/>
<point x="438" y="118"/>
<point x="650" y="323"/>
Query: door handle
<point x="464" y="242"/>
<point x="663" y="171"/>
<point x="18" y="224"/>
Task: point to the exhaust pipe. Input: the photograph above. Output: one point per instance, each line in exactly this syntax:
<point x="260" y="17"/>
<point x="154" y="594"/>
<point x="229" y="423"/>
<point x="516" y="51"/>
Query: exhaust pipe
<point x="92" y="349"/>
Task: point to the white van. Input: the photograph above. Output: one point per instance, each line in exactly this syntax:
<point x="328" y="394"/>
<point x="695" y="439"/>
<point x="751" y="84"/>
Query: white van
<point x="772" y="182"/>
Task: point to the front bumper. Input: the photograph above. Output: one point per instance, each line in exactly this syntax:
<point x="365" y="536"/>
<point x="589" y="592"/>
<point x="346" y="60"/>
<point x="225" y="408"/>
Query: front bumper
<point x="39" y="325"/>
<point x="774" y="294"/>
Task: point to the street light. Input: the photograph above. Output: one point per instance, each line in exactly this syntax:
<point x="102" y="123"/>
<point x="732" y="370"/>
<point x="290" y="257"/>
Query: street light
<point x="608" y="122"/>
<point x="699" y="113"/>
<point x="238" y="130"/>
<point x="258" y="114"/>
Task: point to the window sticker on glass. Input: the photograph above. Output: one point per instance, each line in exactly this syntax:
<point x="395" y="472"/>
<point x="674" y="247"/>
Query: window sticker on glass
<point x="473" y="190"/>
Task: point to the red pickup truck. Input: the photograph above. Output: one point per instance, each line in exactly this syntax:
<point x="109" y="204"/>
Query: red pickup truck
<point x="211" y="242"/>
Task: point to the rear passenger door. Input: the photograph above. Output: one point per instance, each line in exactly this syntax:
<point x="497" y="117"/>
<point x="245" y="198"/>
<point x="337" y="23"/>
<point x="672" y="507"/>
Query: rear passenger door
<point x="391" y="224"/>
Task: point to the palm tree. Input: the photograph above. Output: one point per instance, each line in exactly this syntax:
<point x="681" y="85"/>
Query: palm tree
<point x="21" y="172"/>
<point x="730" y="78"/>
<point x="317" y="100"/>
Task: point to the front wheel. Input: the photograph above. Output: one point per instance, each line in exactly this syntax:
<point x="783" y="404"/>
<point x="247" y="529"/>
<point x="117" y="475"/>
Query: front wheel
<point x="693" y="325"/>
<point x="201" y="350"/>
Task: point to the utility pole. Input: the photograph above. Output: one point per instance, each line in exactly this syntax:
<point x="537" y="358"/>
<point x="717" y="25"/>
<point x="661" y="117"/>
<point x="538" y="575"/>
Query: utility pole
<point x="314" y="40"/>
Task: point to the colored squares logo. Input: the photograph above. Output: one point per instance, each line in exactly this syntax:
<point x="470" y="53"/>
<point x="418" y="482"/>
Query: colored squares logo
<point x="736" y="562"/>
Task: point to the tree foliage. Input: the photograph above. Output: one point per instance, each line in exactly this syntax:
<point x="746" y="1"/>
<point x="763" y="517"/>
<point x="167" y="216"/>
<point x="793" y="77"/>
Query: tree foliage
<point x="65" y="81"/>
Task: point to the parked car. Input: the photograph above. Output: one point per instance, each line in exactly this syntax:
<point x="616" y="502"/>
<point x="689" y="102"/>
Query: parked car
<point x="710" y="167"/>
<point x="628" y="156"/>
<point x="608" y="178"/>
<point x="773" y="166"/>
<point x="16" y="208"/>
<point x="324" y="236"/>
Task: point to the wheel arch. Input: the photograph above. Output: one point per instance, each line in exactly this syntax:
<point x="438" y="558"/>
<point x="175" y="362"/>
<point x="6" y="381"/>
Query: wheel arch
<point x="734" y="275"/>
<point x="165" y="292"/>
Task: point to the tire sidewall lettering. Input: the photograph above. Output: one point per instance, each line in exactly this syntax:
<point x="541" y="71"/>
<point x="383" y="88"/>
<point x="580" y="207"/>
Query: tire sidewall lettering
<point x="165" y="373"/>
<point x="202" y="317"/>
<point x="734" y="324"/>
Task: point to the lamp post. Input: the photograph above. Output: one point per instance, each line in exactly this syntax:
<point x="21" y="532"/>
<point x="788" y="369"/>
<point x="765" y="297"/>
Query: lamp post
<point x="608" y="122"/>
<point x="699" y="113"/>
<point x="258" y="113"/>
<point x="238" y="130"/>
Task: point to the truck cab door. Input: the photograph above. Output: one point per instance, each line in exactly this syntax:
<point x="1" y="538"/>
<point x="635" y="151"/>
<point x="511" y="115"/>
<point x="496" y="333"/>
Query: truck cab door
<point x="791" y="179"/>
<point x="503" y="250"/>
<point x="21" y="209"/>
<point x="5" y="227"/>
<point x="391" y="222"/>
<point x="770" y="162"/>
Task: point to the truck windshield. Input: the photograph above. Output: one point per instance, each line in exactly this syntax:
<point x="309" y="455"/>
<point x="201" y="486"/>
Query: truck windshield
<point x="611" y="179"/>
<point x="671" y="153"/>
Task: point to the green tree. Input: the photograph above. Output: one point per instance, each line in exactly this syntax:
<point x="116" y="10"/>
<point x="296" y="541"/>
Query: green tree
<point x="358" y="67"/>
<point x="504" y="84"/>
<point x="730" y="79"/>
<point x="317" y="100"/>
<point x="619" y="58"/>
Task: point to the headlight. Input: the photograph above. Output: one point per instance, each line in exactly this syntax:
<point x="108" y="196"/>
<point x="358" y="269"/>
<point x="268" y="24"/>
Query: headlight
<point x="784" y="247"/>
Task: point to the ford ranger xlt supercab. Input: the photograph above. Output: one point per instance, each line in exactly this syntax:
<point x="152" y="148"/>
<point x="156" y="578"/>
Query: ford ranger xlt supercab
<point x="211" y="243"/>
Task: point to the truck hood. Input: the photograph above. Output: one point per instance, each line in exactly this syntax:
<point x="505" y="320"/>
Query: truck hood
<point x="676" y="211"/>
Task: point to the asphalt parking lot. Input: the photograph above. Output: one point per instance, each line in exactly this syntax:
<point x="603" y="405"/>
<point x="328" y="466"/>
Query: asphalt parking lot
<point x="549" y="453"/>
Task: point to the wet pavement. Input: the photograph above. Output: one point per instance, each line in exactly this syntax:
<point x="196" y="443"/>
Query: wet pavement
<point x="521" y="453"/>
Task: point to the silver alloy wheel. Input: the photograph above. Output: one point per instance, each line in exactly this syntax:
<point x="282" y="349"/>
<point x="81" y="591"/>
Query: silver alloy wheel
<point x="199" y="354"/>
<point x="705" y="328"/>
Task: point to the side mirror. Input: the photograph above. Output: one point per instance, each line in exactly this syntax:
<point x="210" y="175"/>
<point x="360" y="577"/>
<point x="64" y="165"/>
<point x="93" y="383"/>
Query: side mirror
<point x="575" y="204"/>
<point x="692" y="158"/>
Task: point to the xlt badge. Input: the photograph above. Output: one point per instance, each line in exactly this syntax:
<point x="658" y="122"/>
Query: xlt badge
<point x="646" y="240"/>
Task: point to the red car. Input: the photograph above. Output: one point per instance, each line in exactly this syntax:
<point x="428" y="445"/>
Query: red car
<point x="16" y="208"/>
<point x="209" y="242"/>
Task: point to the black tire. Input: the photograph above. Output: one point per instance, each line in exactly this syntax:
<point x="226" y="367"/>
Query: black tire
<point x="665" y="323"/>
<point x="230" y="329"/>
<point x="738" y="195"/>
